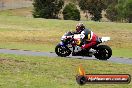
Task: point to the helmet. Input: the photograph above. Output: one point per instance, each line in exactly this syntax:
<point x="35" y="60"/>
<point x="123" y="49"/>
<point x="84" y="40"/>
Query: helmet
<point x="80" y="27"/>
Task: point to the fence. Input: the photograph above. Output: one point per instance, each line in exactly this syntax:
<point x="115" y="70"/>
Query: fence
<point x="13" y="4"/>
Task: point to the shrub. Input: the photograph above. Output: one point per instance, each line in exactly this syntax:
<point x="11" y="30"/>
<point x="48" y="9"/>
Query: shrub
<point x="70" y="12"/>
<point x="47" y="8"/>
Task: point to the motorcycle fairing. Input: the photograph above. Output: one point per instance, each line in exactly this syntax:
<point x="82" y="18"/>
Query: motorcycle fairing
<point x="105" y="39"/>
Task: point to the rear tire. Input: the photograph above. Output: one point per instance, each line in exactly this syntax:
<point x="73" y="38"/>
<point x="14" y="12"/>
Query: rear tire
<point x="104" y="52"/>
<point x="62" y="51"/>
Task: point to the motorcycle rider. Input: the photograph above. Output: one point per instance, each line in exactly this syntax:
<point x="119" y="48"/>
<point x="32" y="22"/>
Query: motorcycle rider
<point x="89" y="39"/>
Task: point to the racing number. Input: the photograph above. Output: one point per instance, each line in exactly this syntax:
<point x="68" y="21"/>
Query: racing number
<point x="89" y="37"/>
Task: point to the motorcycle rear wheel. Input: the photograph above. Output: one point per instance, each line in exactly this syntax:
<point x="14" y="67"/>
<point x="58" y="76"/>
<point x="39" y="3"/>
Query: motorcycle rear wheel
<point x="104" y="52"/>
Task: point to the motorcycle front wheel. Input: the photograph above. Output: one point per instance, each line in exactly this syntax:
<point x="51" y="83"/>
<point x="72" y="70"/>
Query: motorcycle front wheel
<point x="62" y="51"/>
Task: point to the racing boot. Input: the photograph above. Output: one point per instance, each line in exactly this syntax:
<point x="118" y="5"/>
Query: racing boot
<point x="91" y="52"/>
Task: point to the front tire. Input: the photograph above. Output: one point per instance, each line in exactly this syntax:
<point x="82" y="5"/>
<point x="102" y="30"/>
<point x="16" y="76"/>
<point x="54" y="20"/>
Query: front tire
<point x="62" y="51"/>
<point x="104" y="52"/>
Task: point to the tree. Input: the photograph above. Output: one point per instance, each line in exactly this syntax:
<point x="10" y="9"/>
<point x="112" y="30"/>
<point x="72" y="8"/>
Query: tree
<point x="124" y="8"/>
<point x="109" y="2"/>
<point x="71" y="12"/>
<point x="111" y="11"/>
<point x="120" y="10"/>
<point x="128" y="10"/>
<point x="47" y="8"/>
<point x="94" y="7"/>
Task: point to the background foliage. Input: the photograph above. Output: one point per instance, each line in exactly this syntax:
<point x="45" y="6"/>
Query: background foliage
<point x="47" y="8"/>
<point x="116" y="10"/>
<point x="71" y="12"/>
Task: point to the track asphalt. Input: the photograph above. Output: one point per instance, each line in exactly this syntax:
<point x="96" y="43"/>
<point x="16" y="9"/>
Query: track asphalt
<point x="52" y="54"/>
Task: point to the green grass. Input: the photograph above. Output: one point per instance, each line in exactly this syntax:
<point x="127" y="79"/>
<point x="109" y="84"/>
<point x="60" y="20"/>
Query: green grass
<point x="28" y="46"/>
<point x="44" y="72"/>
<point x="18" y="31"/>
<point x="122" y="53"/>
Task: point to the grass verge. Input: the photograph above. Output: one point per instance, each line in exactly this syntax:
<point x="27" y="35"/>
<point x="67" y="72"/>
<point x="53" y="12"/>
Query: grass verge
<point x="44" y="72"/>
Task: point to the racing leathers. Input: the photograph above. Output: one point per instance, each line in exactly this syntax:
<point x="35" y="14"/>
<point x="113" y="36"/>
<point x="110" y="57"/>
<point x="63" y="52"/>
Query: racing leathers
<point x="89" y="39"/>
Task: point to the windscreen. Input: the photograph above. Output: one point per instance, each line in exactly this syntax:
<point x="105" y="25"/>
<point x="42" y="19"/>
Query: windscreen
<point x="68" y="34"/>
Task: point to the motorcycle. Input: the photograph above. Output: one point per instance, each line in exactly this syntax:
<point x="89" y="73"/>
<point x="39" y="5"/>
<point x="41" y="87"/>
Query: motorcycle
<point x="70" y="44"/>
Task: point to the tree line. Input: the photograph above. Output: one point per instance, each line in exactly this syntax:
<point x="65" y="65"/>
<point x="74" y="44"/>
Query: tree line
<point x="116" y="10"/>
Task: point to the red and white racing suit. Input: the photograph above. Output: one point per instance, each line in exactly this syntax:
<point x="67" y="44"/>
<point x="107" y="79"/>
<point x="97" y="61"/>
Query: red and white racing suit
<point x="89" y="39"/>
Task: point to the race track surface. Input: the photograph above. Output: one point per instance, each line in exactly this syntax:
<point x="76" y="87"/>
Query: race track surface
<point x="52" y="54"/>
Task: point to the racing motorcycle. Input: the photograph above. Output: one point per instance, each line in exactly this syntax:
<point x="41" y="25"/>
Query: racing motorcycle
<point x="70" y="44"/>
